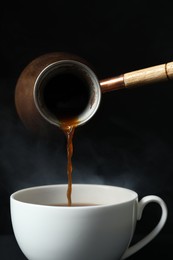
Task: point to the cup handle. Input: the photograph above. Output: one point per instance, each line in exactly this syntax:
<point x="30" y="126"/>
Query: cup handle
<point x="141" y="205"/>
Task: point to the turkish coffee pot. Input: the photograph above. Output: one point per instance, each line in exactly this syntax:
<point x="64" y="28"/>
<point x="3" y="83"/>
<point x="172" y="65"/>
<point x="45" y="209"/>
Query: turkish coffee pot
<point x="62" y="89"/>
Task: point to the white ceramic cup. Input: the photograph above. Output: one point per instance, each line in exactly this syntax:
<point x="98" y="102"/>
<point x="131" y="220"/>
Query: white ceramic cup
<point x="102" y="232"/>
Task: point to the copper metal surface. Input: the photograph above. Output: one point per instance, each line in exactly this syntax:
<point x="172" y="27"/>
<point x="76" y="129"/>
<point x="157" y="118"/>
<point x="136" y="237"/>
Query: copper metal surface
<point x="111" y="84"/>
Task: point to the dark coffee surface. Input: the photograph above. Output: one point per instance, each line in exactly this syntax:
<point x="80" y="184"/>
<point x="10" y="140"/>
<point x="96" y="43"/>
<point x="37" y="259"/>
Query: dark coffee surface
<point x="66" y="95"/>
<point x="75" y="205"/>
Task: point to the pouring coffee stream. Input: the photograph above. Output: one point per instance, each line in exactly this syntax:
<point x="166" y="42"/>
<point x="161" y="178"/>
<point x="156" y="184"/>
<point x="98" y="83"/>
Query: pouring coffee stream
<point x="62" y="90"/>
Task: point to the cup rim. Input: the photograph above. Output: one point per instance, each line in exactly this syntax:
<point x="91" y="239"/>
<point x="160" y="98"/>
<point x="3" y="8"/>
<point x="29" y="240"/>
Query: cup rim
<point x="134" y="195"/>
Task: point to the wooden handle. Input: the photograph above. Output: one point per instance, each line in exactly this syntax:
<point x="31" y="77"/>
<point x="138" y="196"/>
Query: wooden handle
<point x="149" y="75"/>
<point x="138" y="78"/>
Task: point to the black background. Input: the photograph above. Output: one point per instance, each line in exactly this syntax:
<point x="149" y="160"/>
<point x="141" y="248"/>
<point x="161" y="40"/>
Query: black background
<point x="129" y="141"/>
